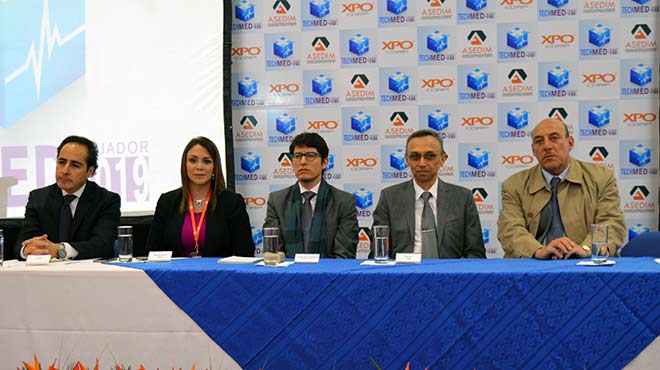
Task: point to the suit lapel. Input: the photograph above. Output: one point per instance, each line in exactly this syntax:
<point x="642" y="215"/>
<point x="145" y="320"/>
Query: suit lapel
<point x="407" y="203"/>
<point x="54" y="204"/>
<point x="540" y="192"/>
<point x="441" y="201"/>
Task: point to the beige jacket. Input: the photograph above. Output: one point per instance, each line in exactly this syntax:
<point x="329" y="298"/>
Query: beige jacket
<point x="587" y="195"/>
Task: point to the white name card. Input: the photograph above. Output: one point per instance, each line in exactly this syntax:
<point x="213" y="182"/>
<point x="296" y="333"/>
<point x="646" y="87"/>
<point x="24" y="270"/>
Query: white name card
<point x="38" y="260"/>
<point x="307" y="258"/>
<point x="409" y="258"/>
<point x="159" y="256"/>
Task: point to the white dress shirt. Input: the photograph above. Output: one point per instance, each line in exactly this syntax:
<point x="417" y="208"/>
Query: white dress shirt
<point x="314" y="190"/>
<point x="419" y="208"/>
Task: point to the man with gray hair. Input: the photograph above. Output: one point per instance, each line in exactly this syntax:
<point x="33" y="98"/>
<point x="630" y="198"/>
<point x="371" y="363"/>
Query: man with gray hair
<point x="427" y="215"/>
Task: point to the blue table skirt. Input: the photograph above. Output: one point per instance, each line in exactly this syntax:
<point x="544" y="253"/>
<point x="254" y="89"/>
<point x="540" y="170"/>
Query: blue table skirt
<point x="443" y="314"/>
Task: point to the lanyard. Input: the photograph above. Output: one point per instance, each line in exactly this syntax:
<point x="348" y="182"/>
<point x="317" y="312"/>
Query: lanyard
<point x="196" y="228"/>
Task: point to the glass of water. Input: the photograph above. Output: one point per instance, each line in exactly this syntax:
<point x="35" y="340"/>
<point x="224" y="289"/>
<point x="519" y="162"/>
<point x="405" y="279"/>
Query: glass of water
<point x="125" y="243"/>
<point x="271" y="245"/>
<point x="381" y="245"/>
<point x="599" y="251"/>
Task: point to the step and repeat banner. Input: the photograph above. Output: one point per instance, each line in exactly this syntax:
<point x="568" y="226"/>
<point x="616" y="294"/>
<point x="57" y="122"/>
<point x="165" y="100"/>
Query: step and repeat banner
<point x="366" y="74"/>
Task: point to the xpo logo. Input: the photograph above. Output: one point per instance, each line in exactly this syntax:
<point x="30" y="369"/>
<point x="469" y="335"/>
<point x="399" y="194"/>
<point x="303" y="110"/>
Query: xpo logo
<point x="477" y="121"/>
<point x="516" y="2"/>
<point x="361" y="162"/>
<point x="517" y="159"/>
<point x="556" y="39"/>
<point x="280" y="88"/>
<point x="352" y="8"/>
<point x="598" y="78"/>
<point x="639" y="117"/>
<point x="319" y="125"/>
<point x="437" y="82"/>
<point x="255" y="201"/>
<point x="251" y="51"/>
<point x="398" y="45"/>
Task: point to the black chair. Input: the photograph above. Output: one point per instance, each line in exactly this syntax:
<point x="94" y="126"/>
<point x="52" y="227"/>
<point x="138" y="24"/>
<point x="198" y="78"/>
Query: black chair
<point x="645" y="245"/>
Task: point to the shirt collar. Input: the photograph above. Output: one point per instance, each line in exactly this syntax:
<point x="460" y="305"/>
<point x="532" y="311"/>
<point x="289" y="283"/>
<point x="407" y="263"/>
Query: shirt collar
<point x="314" y="190"/>
<point x="78" y="192"/>
<point x="419" y="191"/>
<point x="548" y="176"/>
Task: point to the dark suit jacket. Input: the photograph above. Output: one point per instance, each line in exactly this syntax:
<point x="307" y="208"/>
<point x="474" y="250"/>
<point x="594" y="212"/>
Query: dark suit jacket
<point x="340" y="220"/>
<point x="228" y="231"/>
<point x="94" y="228"/>
<point x="458" y="226"/>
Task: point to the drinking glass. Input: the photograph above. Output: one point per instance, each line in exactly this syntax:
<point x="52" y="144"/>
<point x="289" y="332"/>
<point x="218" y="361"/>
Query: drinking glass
<point x="271" y="247"/>
<point x="125" y="243"/>
<point x="381" y="247"/>
<point x="599" y="251"/>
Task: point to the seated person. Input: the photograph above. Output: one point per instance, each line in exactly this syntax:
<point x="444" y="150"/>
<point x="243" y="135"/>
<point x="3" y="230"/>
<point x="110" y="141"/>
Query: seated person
<point x="312" y="215"/>
<point x="73" y="218"/>
<point x="547" y="210"/>
<point x="427" y="215"/>
<point x="202" y="217"/>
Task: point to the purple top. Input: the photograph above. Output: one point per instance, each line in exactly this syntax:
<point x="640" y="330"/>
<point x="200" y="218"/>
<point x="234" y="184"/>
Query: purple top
<point x="187" y="237"/>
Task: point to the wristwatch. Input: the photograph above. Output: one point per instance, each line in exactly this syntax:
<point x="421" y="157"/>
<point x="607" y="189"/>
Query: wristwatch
<point x="61" y="251"/>
<point x="587" y="248"/>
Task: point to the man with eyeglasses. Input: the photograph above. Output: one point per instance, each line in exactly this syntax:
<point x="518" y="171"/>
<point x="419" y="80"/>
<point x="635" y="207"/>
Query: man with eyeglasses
<point x="312" y="215"/>
<point x="427" y="215"/>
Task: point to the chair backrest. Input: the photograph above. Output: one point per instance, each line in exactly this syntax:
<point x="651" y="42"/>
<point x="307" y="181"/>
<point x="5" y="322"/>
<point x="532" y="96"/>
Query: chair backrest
<point x="646" y="244"/>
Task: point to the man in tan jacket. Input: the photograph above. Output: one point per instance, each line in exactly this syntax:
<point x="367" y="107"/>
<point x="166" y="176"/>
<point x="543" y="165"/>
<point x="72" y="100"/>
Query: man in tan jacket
<point x="547" y="210"/>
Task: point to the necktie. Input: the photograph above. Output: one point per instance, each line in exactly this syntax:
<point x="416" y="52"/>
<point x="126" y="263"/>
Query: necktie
<point x="429" y="238"/>
<point x="66" y="219"/>
<point x="307" y="216"/>
<point x="556" y="226"/>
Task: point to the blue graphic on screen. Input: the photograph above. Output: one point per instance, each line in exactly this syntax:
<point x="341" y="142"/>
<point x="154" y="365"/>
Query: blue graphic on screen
<point x="43" y="52"/>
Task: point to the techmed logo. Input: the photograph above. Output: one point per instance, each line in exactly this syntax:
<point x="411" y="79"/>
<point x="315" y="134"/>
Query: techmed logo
<point x="43" y="50"/>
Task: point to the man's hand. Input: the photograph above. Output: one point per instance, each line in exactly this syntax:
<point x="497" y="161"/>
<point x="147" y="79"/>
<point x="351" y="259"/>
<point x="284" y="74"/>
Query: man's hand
<point x="560" y="248"/>
<point x="39" y="245"/>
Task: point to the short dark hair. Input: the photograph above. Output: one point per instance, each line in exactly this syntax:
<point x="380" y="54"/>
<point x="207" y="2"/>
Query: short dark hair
<point x="424" y="133"/>
<point x="92" y="150"/>
<point x="310" y="140"/>
<point x="218" y="179"/>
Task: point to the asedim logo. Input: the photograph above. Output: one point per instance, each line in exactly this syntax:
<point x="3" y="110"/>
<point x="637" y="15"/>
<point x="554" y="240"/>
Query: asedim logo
<point x="435" y="10"/>
<point x="320" y="44"/>
<point x="399" y="119"/>
<point x="359" y="81"/>
<point x="517" y="86"/>
<point x="282" y="15"/>
<point x="360" y="90"/>
<point x="484" y="206"/>
<point x="320" y="53"/>
<point x="479" y="195"/>
<point x="558" y="113"/>
<point x="477" y="48"/>
<point x="641" y="40"/>
<point x="48" y="54"/>
<point x="599" y="7"/>
<point x="284" y="168"/>
<point x="638" y="201"/>
<point x="598" y="153"/>
<point x="248" y="122"/>
<point x="398" y="126"/>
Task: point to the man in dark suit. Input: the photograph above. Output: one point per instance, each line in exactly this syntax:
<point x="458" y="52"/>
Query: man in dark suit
<point x="312" y="215"/>
<point x="73" y="218"/>
<point x="427" y="215"/>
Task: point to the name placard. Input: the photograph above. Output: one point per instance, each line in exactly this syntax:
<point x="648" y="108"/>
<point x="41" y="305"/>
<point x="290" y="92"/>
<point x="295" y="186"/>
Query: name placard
<point x="37" y="260"/>
<point x="307" y="258"/>
<point x="413" y="258"/>
<point x="159" y="256"/>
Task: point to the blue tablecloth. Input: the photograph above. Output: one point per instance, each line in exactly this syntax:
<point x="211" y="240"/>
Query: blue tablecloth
<point x="442" y="314"/>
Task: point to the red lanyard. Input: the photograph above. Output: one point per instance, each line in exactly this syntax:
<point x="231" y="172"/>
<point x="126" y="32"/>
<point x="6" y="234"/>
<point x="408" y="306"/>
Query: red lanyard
<point x="196" y="228"/>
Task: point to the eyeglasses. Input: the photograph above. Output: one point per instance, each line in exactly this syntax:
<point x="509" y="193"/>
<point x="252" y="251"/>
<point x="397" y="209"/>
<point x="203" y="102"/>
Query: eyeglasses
<point x="310" y="156"/>
<point x="427" y="156"/>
